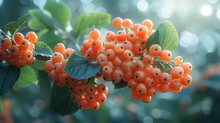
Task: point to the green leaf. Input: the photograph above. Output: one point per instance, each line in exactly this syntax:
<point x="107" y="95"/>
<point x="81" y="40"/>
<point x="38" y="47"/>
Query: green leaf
<point x="38" y="65"/>
<point x="43" y="19"/>
<point x="8" y="77"/>
<point x="1" y="105"/>
<point x="78" y="67"/>
<point x="35" y="24"/>
<point x="61" y="101"/>
<point x="44" y="84"/>
<point x="27" y="77"/>
<point x="59" y="10"/>
<point x="49" y="37"/>
<point x="42" y="49"/>
<point x="166" y="36"/>
<point x="15" y="25"/>
<point x="120" y="85"/>
<point x="84" y="22"/>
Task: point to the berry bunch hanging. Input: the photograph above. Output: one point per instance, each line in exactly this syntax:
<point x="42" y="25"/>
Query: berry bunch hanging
<point x="18" y="50"/>
<point x="84" y="94"/>
<point x="125" y="58"/>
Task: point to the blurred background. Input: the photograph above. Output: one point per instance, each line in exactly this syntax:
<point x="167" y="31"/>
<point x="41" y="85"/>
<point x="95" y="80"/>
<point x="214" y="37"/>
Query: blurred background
<point x="198" y="26"/>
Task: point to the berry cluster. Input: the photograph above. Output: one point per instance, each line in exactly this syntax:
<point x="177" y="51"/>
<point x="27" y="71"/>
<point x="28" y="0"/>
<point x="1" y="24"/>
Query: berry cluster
<point x="19" y="50"/>
<point x="91" y="46"/>
<point x="54" y="66"/>
<point x="124" y="57"/>
<point x="88" y="96"/>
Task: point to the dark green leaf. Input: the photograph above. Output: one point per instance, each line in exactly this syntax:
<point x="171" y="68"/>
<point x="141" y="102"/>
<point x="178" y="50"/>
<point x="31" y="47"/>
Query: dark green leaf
<point x="15" y="25"/>
<point x="44" y="84"/>
<point x="43" y="19"/>
<point x="84" y="22"/>
<point x="120" y="85"/>
<point x="49" y="37"/>
<point x="78" y="67"/>
<point x="28" y="76"/>
<point x="61" y="101"/>
<point x="8" y="77"/>
<point x="59" y="10"/>
<point x="91" y="81"/>
<point x="42" y="49"/>
<point x="166" y="36"/>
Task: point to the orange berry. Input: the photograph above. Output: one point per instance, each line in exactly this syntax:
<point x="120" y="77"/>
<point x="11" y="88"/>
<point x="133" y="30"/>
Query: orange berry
<point x="14" y="51"/>
<point x="97" y="45"/>
<point x="178" y="60"/>
<point x="165" y="55"/>
<point x="132" y="84"/>
<point x="102" y="59"/>
<point x="102" y="88"/>
<point x="32" y="37"/>
<point x="118" y="49"/>
<point x="68" y="52"/>
<point x="58" y="67"/>
<point x="94" y="34"/>
<point x="91" y="54"/>
<point x="163" y="88"/>
<point x="117" y="75"/>
<point x="156" y="72"/>
<point x="106" y="70"/>
<point x="110" y="36"/>
<point x="18" y="38"/>
<point x="135" y="95"/>
<point x="155" y="50"/>
<point x="117" y="22"/>
<point x="83" y="103"/>
<point x="117" y="61"/>
<point x="139" y="76"/>
<point x="26" y="55"/>
<point x="48" y="66"/>
<point x="164" y="78"/>
<point x="53" y="76"/>
<point x="59" y="47"/>
<point x="177" y="72"/>
<point x="187" y="67"/>
<point x="94" y="105"/>
<point x="109" y="45"/>
<point x="148" y="59"/>
<point x="128" y="55"/>
<point x="24" y="45"/>
<point x="148" y="23"/>
<point x="141" y="88"/>
<point x="186" y="80"/>
<point x="175" y="85"/>
<point x="142" y="31"/>
<point x="126" y="66"/>
<point x="132" y="37"/>
<point x="127" y="76"/>
<point x="120" y="36"/>
<point x="135" y="27"/>
<point x="127" y="45"/>
<point x="6" y="43"/>
<point x="145" y="98"/>
<point x="101" y="98"/>
<point x="127" y="23"/>
<point x="57" y="57"/>
<point x="149" y="82"/>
